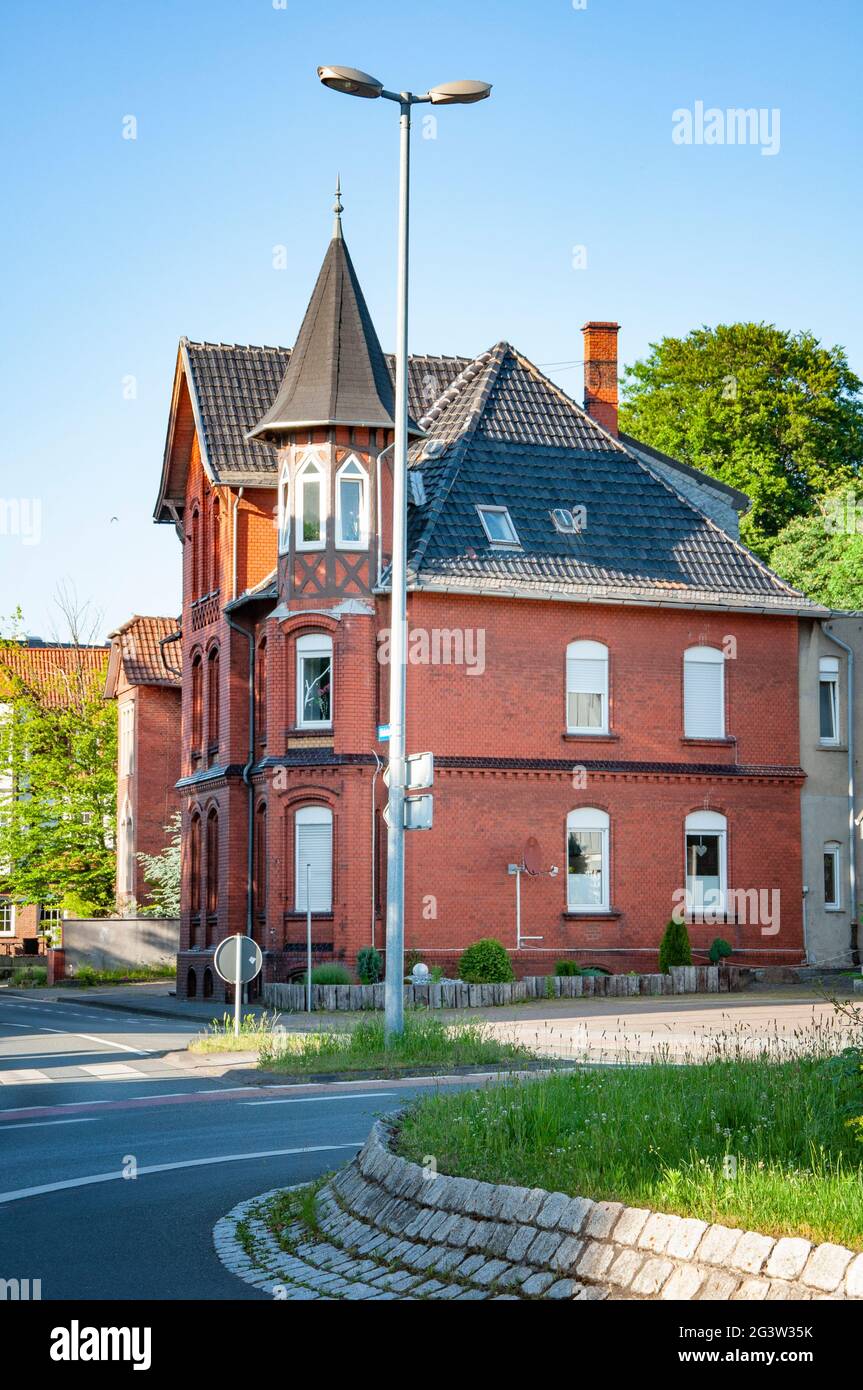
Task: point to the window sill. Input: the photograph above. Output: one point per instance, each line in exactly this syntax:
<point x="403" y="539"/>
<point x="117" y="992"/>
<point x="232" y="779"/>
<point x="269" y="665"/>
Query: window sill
<point x="608" y="737"/>
<point x="310" y="731"/>
<point x="600" y="914"/>
<point x="828" y="908"/>
<point x="824" y="747"/>
<point x="299" y="915"/>
<point x="726" y="741"/>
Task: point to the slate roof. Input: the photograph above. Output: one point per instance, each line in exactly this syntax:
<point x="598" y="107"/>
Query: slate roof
<point x="514" y="439"/>
<point x="234" y="384"/>
<point x="135" y="647"/>
<point x="53" y="670"/>
<point x="337" y="374"/>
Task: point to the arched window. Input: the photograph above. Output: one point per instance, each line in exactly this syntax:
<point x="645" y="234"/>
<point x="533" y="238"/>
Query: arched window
<point x="314" y="681"/>
<point x="352" y="506"/>
<point x="259" y="886"/>
<point x="126" y="853"/>
<point x="195" y="546"/>
<point x="311" y="507"/>
<point x="216" y="547"/>
<point x="207" y="987"/>
<point x="195" y="867"/>
<point x="212" y="868"/>
<point x="197" y="703"/>
<point x="706" y="859"/>
<point x="284" y="518"/>
<point x="587" y="888"/>
<point x="213" y="700"/>
<point x="828" y="699"/>
<point x="261" y="692"/>
<point x="586" y="688"/>
<point x="191" y="985"/>
<point x="313" y="859"/>
<point x="703" y="693"/>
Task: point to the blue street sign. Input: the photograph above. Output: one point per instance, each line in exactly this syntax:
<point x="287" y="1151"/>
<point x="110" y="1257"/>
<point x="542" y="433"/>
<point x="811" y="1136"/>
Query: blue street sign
<point x="383" y="733"/>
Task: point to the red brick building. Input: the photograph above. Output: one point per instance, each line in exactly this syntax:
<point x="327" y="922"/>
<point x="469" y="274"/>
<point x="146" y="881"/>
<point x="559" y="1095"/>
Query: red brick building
<point x="145" y="679"/>
<point x="596" y="662"/>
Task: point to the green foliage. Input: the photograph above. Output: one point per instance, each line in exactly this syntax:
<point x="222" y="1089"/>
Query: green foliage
<point x="369" y="965"/>
<point x="59" y="743"/>
<point x="822" y="553"/>
<point x="674" y="948"/>
<point x="29" y="976"/>
<point x="88" y="975"/>
<point x="719" y="948"/>
<point x="567" y="967"/>
<point x="767" y="411"/>
<point x="163" y="874"/>
<point x="486" y="962"/>
<point x="333" y="974"/>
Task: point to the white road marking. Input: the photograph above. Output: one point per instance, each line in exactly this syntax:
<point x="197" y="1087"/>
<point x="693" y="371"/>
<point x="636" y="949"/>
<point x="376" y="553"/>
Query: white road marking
<point x="111" y="1070"/>
<point x="42" y="1124"/>
<point x="88" y="1037"/>
<point x="21" y="1192"/>
<point x="304" y="1100"/>
<point x="22" y="1078"/>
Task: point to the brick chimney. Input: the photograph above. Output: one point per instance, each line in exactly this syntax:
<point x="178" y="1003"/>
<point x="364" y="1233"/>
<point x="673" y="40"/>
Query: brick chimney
<point x="600" y="373"/>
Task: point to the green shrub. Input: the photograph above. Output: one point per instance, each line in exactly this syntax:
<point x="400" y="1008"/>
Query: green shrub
<point x="674" y="948"/>
<point x="369" y="965"/>
<point x="719" y="947"/>
<point x="486" y="962"/>
<point x="30" y="976"/>
<point x="328" y="975"/>
<point x="567" y="967"/>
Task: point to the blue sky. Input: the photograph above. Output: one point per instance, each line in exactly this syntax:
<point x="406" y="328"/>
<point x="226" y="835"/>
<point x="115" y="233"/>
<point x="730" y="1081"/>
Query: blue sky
<point x="112" y="248"/>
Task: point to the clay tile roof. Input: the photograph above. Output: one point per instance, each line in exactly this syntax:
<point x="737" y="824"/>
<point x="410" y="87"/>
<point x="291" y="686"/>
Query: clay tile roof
<point x="144" y="661"/>
<point x="55" y="670"/>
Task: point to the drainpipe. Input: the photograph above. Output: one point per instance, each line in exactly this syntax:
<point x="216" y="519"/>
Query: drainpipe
<point x="163" y="643"/>
<point x="378" y="517"/>
<point x="852" y="826"/>
<point x="234" y="544"/>
<point x="374" y="841"/>
<point x="247" y="770"/>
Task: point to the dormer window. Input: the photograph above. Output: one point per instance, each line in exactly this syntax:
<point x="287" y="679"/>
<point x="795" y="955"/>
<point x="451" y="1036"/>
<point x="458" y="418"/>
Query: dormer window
<point x="498" y="526"/>
<point x="352" y="511"/>
<point x="310" y="507"/>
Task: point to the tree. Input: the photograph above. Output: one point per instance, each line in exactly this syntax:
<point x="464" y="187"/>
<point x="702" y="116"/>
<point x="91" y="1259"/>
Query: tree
<point x="58" y="746"/>
<point x="822" y="553"/>
<point x="162" y="872"/>
<point x="770" y="412"/>
<point x="674" y="948"/>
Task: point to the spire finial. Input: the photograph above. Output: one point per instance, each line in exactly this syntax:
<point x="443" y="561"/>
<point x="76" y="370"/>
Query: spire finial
<point x="337" y="209"/>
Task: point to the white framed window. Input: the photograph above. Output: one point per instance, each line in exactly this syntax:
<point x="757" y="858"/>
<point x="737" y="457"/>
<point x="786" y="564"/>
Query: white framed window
<point x="314" y="681"/>
<point x="126" y="737"/>
<point x="703" y="693"/>
<point x="311" y="507"/>
<point x="7" y="917"/>
<point x="586" y="688"/>
<point x="828" y="699"/>
<point x="352" y="506"/>
<point x="706" y="859"/>
<point x="284" y="517"/>
<point x="587" y="860"/>
<point x="833" y="876"/>
<point x="313" y="859"/>
<point x="498" y="525"/>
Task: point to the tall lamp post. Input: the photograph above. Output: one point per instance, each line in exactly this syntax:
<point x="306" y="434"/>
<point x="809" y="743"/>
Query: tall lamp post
<point x="359" y="84"/>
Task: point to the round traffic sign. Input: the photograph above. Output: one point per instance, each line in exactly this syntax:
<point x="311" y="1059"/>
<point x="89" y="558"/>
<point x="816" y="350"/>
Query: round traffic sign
<point x="238" y="958"/>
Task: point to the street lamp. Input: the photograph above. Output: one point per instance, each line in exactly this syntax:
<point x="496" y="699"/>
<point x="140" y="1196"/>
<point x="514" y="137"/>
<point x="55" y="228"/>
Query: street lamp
<point x="355" y="83"/>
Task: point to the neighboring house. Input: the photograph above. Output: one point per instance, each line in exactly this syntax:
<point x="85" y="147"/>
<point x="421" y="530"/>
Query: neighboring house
<point x="832" y="797"/>
<point x="144" y="677"/>
<point x="53" y="668"/>
<point x="598" y="664"/>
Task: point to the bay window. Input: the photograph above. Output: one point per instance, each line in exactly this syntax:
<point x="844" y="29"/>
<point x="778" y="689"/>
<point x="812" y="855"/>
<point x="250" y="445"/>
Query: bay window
<point x="314" y="681"/>
<point x="311" y="510"/>
<point x="352" y="527"/>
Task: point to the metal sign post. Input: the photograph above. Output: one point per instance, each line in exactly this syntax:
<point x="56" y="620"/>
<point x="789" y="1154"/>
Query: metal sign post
<point x="237" y="960"/>
<point x="308" y="938"/>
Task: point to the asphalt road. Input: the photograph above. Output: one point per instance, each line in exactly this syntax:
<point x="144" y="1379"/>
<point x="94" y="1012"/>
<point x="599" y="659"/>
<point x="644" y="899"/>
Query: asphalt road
<point x="86" y="1097"/>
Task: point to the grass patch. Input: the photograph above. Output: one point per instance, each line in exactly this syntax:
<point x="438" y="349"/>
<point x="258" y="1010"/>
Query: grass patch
<point x="219" y="1036"/>
<point x="29" y="976"/>
<point x="757" y="1143"/>
<point x="425" y="1042"/>
<point x="87" y="976"/>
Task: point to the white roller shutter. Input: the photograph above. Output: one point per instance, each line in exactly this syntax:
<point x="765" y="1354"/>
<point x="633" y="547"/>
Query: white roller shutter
<point x="704" y="695"/>
<point x="314" y="840"/>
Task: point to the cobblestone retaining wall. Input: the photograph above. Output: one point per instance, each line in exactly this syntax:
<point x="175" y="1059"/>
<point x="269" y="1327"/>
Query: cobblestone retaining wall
<point x="682" y="979"/>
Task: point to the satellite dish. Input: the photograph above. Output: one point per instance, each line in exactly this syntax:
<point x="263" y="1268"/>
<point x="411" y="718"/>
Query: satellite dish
<point x="532" y="857"/>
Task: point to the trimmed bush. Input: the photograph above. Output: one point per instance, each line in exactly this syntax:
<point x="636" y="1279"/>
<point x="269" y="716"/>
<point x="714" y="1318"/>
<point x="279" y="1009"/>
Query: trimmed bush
<point x="486" y="962"/>
<point x="719" y="947"/>
<point x="567" y="967"/>
<point x="674" y="949"/>
<point x="369" y="965"/>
